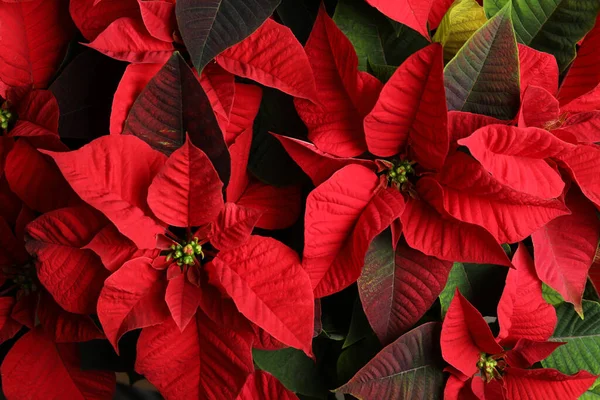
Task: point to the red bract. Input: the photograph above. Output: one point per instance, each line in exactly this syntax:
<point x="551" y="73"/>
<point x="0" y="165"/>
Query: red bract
<point x="202" y="274"/>
<point x="497" y="368"/>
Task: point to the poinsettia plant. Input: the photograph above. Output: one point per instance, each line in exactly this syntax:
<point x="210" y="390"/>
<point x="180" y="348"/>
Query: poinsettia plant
<point x="299" y="199"/>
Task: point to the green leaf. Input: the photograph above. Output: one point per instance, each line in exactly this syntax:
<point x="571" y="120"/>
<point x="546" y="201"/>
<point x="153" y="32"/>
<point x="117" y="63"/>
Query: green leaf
<point x="457" y="279"/>
<point x="551" y="26"/>
<point x="210" y="26"/>
<point x="592" y="394"/>
<point x="293" y="369"/>
<point x="269" y="162"/>
<point x="355" y="357"/>
<point x="381" y="72"/>
<point x="483" y="78"/>
<point x="551" y="296"/>
<point x="375" y="38"/>
<point x="408" y="368"/>
<point x="359" y="325"/>
<point x="582" y="337"/>
<point x="461" y="21"/>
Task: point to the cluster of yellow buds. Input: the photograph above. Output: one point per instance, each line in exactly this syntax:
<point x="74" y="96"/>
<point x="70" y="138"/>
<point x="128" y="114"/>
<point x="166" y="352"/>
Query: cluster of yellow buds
<point x="5" y="117"/>
<point x="186" y="254"/>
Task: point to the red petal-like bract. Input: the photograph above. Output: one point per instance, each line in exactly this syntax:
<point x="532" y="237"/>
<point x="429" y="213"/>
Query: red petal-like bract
<point x="269" y="286"/>
<point x="522" y="312"/>
<point x="243" y="109"/>
<point x="113" y="174"/>
<point x="127" y="39"/>
<point x="540" y="384"/>
<point x="470" y="194"/>
<point x="583" y="76"/>
<point x="280" y="206"/>
<point x="332" y="213"/>
<point x="183" y="299"/>
<point x="264" y="386"/>
<point x="398" y="286"/>
<point x="114" y="249"/>
<point x="319" y="166"/>
<point x="539" y="108"/>
<point x="403" y="368"/>
<point x="93" y="16"/>
<point x="413" y="13"/>
<point x="239" y="151"/>
<point x="527" y="352"/>
<point x="272" y="56"/>
<point x="205" y="361"/>
<point x="462" y="124"/>
<point x="411" y="111"/>
<point x="465" y="334"/>
<point x="135" y="78"/>
<point x="159" y="18"/>
<point x="187" y="190"/>
<point x="233" y="226"/>
<point x="63" y="327"/>
<point x="33" y="36"/>
<point x="37" y="368"/>
<point x="565" y="248"/>
<point x="516" y="157"/>
<point x="583" y="163"/>
<point x="537" y="69"/>
<point x="220" y="88"/>
<point x="132" y="298"/>
<point x="344" y="95"/>
<point x="71" y="274"/>
<point x="427" y="231"/>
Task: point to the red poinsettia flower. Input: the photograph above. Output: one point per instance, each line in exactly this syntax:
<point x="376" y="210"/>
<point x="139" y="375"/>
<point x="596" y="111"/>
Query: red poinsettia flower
<point x="186" y="290"/>
<point x="444" y="203"/>
<point x="484" y="367"/>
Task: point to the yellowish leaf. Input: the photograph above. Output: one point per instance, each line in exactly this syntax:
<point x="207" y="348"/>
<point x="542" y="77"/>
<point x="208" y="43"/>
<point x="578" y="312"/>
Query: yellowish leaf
<point x="460" y="22"/>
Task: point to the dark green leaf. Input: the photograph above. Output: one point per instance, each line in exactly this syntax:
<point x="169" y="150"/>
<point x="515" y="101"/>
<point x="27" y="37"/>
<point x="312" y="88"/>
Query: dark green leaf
<point x="457" y="279"/>
<point x="210" y="26"/>
<point x="359" y="326"/>
<point x="483" y="78"/>
<point x="356" y="356"/>
<point x="551" y="26"/>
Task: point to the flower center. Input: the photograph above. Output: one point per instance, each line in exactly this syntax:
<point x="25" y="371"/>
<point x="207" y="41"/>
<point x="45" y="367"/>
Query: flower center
<point x="557" y="123"/>
<point x="491" y="367"/>
<point x="5" y="118"/>
<point x="24" y="278"/>
<point x="186" y="254"/>
<point x="399" y="172"/>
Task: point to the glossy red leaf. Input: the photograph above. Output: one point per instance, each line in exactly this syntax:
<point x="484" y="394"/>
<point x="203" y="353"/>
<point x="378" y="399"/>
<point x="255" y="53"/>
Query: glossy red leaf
<point x="159" y="18"/>
<point x="470" y="194"/>
<point x="135" y="78"/>
<point x="219" y="85"/>
<point x="55" y="369"/>
<point x="73" y="275"/>
<point x="39" y="107"/>
<point x="269" y="286"/>
<point x="92" y="16"/>
<point x="344" y="95"/>
<point x="540" y="384"/>
<point x="411" y="111"/>
<point x="584" y="126"/>
<point x="132" y="298"/>
<point x="537" y="69"/>
<point x="332" y="211"/>
<point x="63" y="327"/>
<point x="522" y="311"/>
<point x="437" y="12"/>
<point x="243" y="110"/>
<point x="318" y="165"/>
<point x="239" y="152"/>
<point x="264" y="386"/>
<point x="114" y="249"/>
<point x="187" y="190"/>
<point x="462" y="124"/>
<point x="127" y="39"/>
<point x="35" y="179"/>
<point x="527" y="352"/>
<point x="233" y="226"/>
<point x="539" y="109"/>
<point x="587" y="102"/>
<point x="398" y="286"/>
<point x="583" y="75"/>
<point x="113" y="174"/>
<point x="280" y="207"/>
<point x="516" y="157"/>
<point x="34" y="36"/>
<point x="582" y="163"/>
<point x="565" y="248"/>
<point x="465" y="334"/>
<point x="205" y="361"/>
<point x="427" y="231"/>
<point x="413" y="13"/>
<point x="410" y="366"/>
<point x="183" y="299"/>
<point x="272" y="56"/>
